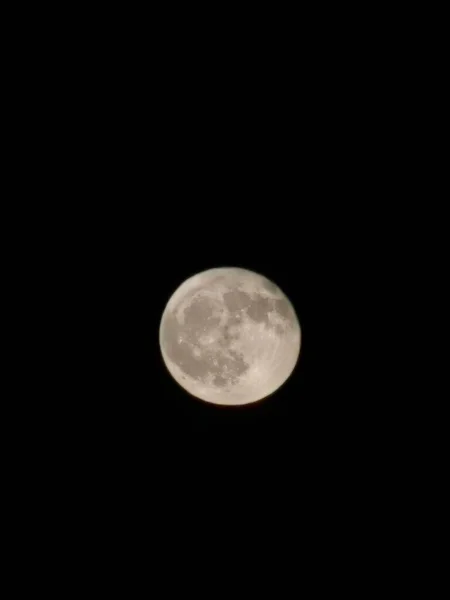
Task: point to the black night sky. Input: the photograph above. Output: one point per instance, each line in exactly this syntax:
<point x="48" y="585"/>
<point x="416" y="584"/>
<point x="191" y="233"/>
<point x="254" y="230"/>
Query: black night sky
<point x="147" y="149"/>
<point x="166" y="177"/>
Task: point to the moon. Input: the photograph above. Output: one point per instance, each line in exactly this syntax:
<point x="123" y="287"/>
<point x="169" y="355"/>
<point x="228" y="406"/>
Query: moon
<point x="229" y="336"/>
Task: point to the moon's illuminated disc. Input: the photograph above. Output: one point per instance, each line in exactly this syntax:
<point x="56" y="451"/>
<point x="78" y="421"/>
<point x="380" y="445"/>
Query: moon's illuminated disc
<point x="229" y="336"/>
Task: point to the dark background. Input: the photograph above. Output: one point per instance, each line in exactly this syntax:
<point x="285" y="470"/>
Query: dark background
<point x="153" y="165"/>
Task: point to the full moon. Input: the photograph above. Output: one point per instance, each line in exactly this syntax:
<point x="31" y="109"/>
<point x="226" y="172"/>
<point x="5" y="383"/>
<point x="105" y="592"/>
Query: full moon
<point x="229" y="336"/>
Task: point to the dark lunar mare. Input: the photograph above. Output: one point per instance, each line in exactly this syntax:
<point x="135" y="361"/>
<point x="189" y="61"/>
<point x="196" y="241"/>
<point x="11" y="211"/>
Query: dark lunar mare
<point x="196" y="323"/>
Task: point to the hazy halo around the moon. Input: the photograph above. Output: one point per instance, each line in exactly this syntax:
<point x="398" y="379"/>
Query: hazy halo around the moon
<point x="229" y="336"/>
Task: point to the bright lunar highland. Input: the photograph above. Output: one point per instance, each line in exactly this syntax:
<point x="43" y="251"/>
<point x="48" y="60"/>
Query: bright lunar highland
<point x="229" y="336"/>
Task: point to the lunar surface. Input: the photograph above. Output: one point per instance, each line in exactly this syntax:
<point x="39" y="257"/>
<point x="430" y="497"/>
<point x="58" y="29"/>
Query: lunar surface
<point x="229" y="336"/>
